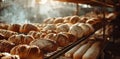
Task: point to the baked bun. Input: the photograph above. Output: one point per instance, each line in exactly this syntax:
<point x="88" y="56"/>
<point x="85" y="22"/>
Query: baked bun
<point x="91" y="28"/>
<point x="45" y="44"/>
<point x="62" y="40"/>
<point x="70" y="36"/>
<point x="62" y="28"/>
<point x="49" y="21"/>
<point x="50" y="36"/>
<point x="37" y="35"/>
<point x="67" y="19"/>
<point x="49" y="27"/>
<point x="2" y="36"/>
<point x="95" y="22"/>
<point x="3" y="26"/>
<point x="46" y="20"/>
<point x="28" y="27"/>
<point x="7" y="33"/>
<point x="111" y="16"/>
<point x="85" y="28"/>
<point x="14" y="27"/>
<point x="74" y="19"/>
<point x="8" y="56"/>
<point x="21" y="39"/>
<point x="6" y="46"/>
<point x="58" y="20"/>
<point x="27" y="52"/>
<point x="76" y="30"/>
<point x="50" y="31"/>
<point x="83" y="19"/>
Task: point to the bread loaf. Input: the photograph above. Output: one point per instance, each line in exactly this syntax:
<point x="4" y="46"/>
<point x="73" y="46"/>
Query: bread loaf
<point x="6" y="46"/>
<point x="45" y="44"/>
<point x="27" y="52"/>
<point x="21" y="39"/>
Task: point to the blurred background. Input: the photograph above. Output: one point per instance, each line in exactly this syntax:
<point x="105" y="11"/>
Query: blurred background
<point x="26" y="11"/>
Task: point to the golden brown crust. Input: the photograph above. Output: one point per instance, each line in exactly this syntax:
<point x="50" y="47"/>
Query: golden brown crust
<point x="67" y="19"/>
<point x="83" y="19"/>
<point x="76" y="30"/>
<point x="71" y="37"/>
<point x="6" y="46"/>
<point x="21" y="39"/>
<point x="36" y="35"/>
<point x="14" y="27"/>
<point x="58" y="20"/>
<point x="7" y="33"/>
<point x="50" y="36"/>
<point x="8" y="56"/>
<point x="63" y="28"/>
<point x="86" y="28"/>
<point x="27" y="52"/>
<point x="95" y="22"/>
<point x="49" y="27"/>
<point x="62" y="40"/>
<point x="74" y="19"/>
<point x="28" y="27"/>
<point x="49" y="21"/>
<point x="2" y="36"/>
<point x="3" y="26"/>
<point x="45" y="45"/>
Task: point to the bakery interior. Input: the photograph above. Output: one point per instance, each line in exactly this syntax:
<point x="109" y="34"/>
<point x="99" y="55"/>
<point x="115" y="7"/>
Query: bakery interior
<point x="59" y="29"/>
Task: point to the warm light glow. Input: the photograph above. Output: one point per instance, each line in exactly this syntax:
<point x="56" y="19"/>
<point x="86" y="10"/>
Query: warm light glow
<point x="43" y="1"/>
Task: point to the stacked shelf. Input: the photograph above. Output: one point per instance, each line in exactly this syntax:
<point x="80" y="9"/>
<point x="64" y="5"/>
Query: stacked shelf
<point x="89" y="2"/>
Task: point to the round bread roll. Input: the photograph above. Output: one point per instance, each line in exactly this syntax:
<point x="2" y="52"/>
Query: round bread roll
<point x="96" y="23"/>
<point x="74" y="19"/>
<point x="27" y="52"/>
<point x="2" y="36"/>
<point x="58" y="24"/>
<point x="21" y="39"/>
<point x="67" y="19"/>
<point x="45" y="45"/>
<point x="46" y="20"/>
<point x="51" y="36"/>
<point x="7" y="33"/>
<point x="50" y="31"/>
<point x="76" y="30"/>
<point x="58" y="20"/>
<point x="69" y="24"/>
<point x="14" y="27"/>
<point x="49" y="27"/>
<point x="35" y="34"/>
<point x="83" y="19"/>
<point x="90" y="27"/>
<point x="49" y="21"/>
<point x="71" y="38"/>
<point x="4" y="26"/>
<point x="28" y="27"/>
<point x="62" y="28"/>
<point x="111" y="16"/>
<point x="93" y="21"/>
<point x="8" y="56"/>
<point x="62" y="40"/>
<point x="85" y="28"/>
<point x="6" y="46"/>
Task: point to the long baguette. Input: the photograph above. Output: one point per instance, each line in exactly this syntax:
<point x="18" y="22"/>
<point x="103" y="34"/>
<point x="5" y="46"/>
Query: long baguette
<point x="71" y="52"/>
<point x="93" y="51"/>
<point x="80" y="52"/>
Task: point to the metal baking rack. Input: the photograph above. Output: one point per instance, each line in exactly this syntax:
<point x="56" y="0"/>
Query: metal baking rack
<point x="104" y="23"/>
